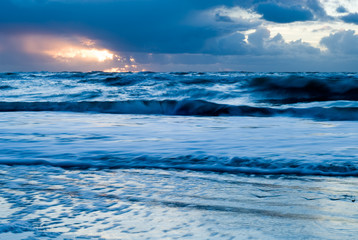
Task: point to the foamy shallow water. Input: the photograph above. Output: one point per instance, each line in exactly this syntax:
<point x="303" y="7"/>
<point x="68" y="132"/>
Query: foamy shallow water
<point x="53" y="203"/>
<point x="222" y="144"/>
<point x="104" y="176"/>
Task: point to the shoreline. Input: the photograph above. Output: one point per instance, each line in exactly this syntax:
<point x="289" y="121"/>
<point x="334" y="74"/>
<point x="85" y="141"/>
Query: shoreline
<point x="48" y="202"/>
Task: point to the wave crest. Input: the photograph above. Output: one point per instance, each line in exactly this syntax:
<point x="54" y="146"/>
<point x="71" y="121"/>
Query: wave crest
<point x="203" y="163"/>
<point x="184" y="107"/>
<point x="305" y="88"/>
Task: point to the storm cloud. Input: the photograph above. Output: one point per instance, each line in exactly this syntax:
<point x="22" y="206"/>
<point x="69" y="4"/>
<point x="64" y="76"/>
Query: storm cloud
<point x="343" y="42"/>
<point x="351" y="18"/>
<point x="151" y="26"/>
<point x="161" y="30"/>
<point x="282" y="14"/>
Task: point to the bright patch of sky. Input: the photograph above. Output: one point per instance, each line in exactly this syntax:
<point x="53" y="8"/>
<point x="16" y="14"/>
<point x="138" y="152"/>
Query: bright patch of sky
<point x="308" y="32"/>
<point x="336" y="7"/>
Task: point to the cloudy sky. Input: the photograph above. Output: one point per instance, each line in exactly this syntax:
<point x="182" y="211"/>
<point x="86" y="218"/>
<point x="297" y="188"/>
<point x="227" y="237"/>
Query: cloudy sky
<point x="179" y="35"/>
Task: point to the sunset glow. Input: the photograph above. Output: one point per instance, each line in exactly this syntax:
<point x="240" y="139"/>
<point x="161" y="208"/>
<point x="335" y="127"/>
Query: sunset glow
<point x="66" y="48"/>
<point x="91" y="54"/>
<point x="116" y="70"/>
<point x="125" y="68"/>
<point x="76" y="51"/>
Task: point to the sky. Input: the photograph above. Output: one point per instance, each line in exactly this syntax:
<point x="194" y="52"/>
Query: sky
<point x="179" y="35"/>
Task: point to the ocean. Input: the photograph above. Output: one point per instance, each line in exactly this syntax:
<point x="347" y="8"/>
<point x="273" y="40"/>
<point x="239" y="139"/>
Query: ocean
<point x="182" y="155"/>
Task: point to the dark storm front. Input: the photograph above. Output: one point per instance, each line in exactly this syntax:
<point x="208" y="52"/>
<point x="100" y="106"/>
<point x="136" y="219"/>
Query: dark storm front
<point x="261" y="123"/>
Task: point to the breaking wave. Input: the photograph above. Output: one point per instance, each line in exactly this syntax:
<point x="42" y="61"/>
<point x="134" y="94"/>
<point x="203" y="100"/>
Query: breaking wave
<point x="327" y="96"/>
<point x="303" y="87"/>
<point x="184" y="107"/>
<point x="236" y="165"/>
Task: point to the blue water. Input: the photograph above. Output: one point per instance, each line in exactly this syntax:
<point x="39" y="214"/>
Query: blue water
<point x="184" y="155"/>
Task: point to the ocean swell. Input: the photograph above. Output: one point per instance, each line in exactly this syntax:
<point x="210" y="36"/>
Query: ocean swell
<point x="244" y="88"/>
<point x="184" y="107"/>
<point x="235" y="165"/>
<point x="304" y="87"/>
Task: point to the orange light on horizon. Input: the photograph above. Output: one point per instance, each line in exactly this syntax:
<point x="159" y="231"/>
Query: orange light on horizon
<point x="126" y="68"/>
<point x="99" y="55"/>
<point x="76" y="51"/>
<point x="66" y="48"/>
<point x="117" y="70"/>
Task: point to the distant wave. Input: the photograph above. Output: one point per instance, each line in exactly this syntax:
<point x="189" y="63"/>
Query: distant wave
<point x="5" y="87"/>
<point x="203" y="163"/>
<point x="163" y="93"/>
<point x="303" y="87"/>
<point x="184" y="107"/>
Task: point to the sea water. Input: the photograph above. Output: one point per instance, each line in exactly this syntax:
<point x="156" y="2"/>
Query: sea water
<point x="231" y="155"/>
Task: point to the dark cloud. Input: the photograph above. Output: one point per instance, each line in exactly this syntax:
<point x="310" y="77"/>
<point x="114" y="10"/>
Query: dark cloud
<point x="343" y="42"/>
<point x="228" y="20"/>
<point x="157" y="26"/>
<point x="316" y="7"/>
<point x="283" y="14"/>
<point x="136" y="25"/>
<point x="232" y="44"/>
<point x="351" y="18"/>
<point x="341" y="9"/>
